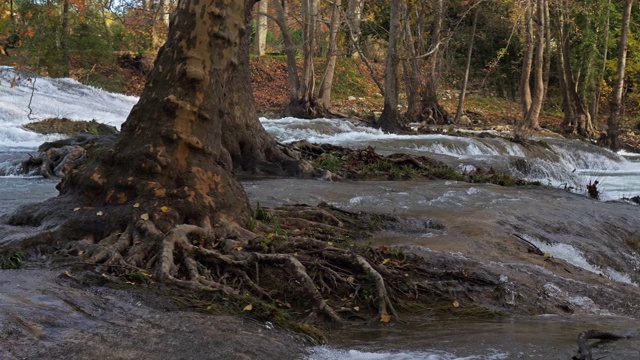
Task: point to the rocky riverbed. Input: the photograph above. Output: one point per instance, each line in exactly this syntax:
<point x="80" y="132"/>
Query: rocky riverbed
<point x="50" y="314"/>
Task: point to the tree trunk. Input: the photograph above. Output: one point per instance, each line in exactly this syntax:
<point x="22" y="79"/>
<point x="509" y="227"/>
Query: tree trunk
<point x="527" y="60"/>
<point x="613" y="123"/>
<point x="531" y="120"/>
<point x="354" y="18"/>
<point x="261" y="28"/>
<point x="324" y="94"/>
<point x="169" y="165"/>
<point x="64" y="38"/>
<point x="390" y="118"/>
<point x="289" y="48"/>
<point x="577" y="119"/>
<point x="595" y="109"/>
<point x="249" y="146"/>
<point x="431" y="110"/>
<point x="467" y="67"/>
<point x="412" y="62"/>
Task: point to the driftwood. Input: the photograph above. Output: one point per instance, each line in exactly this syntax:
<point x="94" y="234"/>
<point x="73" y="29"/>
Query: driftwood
<point x="532" y="248"/>
<point x="58" y="158"/>
<point x="584" y="348"/>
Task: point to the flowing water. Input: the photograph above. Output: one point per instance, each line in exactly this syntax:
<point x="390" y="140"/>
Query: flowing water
<point x="585" y="234"/>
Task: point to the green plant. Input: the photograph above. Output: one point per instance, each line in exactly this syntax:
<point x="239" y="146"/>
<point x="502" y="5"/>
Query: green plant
<point x="12" y="260"/>
<point x="328" y="162"/>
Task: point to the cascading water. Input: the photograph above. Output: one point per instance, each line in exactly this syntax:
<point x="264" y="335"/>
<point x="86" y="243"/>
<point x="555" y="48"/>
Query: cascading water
<point x="565" y="225"/>
<point x="570" y="164"/>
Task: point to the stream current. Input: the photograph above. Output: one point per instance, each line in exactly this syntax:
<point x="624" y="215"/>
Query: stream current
<point x="586" y="237"/>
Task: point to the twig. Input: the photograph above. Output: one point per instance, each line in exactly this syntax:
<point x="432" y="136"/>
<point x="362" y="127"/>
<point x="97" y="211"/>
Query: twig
<point x="33" y="89"/>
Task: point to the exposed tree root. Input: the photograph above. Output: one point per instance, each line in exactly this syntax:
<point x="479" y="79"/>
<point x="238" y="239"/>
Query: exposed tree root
<point x="299" y="259"/>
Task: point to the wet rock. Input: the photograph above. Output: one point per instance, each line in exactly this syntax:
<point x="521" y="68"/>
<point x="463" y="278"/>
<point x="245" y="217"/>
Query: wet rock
<point x="50" y="315"/>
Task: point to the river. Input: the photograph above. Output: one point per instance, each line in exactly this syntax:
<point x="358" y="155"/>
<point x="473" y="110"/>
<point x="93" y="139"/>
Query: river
<point x="585" y="237"/>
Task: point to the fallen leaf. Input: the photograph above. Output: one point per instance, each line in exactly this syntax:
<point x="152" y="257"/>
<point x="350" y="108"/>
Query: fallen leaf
<point x="547" y="255"/>
<point x="209" y="307"/>
<point x="248" y="308"/>
<point x="456" y="304"/>
<point x="385" y="318"/>
<point x="329" y="243"/>
<point x="144" y="216"/>
<point x="351" y="279"/>
<point x="238" y="248"/>
<point x="356" y="308"/>
<point x="386" y="261"/>
<point x="165" y="208"/>
<point x="76" y="209"/>
<point x="136" y="205"/>
<point x="99" y="213"/>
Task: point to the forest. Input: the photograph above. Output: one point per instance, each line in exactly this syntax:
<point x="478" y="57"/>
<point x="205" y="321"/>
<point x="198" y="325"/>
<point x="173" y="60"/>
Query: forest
<point x="572" y="58"/>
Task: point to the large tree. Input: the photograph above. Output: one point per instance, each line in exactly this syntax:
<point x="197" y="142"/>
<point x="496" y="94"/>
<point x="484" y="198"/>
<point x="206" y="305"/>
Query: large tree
<point x="163" y="201"/>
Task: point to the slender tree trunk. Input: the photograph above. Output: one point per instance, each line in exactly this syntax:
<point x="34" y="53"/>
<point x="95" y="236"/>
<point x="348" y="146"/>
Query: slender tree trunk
<point x="290" y="50"/>
<point x="531" y="119"/>
<point x="613" y="124"/>
<point x="431" y="109"/>
<point x="595" y="109"/>
<point x="324" y="93"/>
<point x="354" y="18"/>
<point x="261" y="28"/>
<point x="390" y="118"/>
<point x="467" y="67"/>
<point x="64" y="39"/>
<point x="527" y="60"/>
<point x="412" y="62"/>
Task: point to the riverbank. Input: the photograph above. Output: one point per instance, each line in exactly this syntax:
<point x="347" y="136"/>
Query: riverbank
<point x="51" y="314"/>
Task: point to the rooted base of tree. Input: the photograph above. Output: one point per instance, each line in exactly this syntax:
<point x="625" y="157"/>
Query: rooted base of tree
<point x="308" y="109"/>
<point x="295" y="259"/>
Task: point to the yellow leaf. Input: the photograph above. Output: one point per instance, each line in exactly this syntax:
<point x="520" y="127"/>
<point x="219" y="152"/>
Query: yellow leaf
<point x="144" y="216"/>
<point x="238" y="248"/>
<point x="329" y="243"/>
<point x="248" y="308"/>
<point x="356" y="308"/>
<point x="456" y="304"/>
<point x="136" y="205"/>
<point x="165" y="208"/>
<point x="99" y="213"/>
<point x="386" y="261"/>
<point x="547" y="255"/>
<point x="130" y="283"/>
<point x="76" y="209"/>
<point x="209" y="307"/>
<point x="351" y="279"/>
<point x="385" y="318"/>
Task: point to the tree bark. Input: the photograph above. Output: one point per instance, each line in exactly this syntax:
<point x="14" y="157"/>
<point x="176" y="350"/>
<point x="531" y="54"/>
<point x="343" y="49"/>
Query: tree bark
<point x="64" y="38"/>
<point x="390" y="118"/>
<point x="467" y="67"/>
<point x="613" y="123"/>
<point x="354" y="18"/>
<point x="326" y="84"/>
<point x="527" y="60"/>
<point x="531" y="118"/>
<point x="431" y="110"/>
<point x="577" y="119"/>
<point x="261" y="28"/>
<point x="169" y="165"/>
